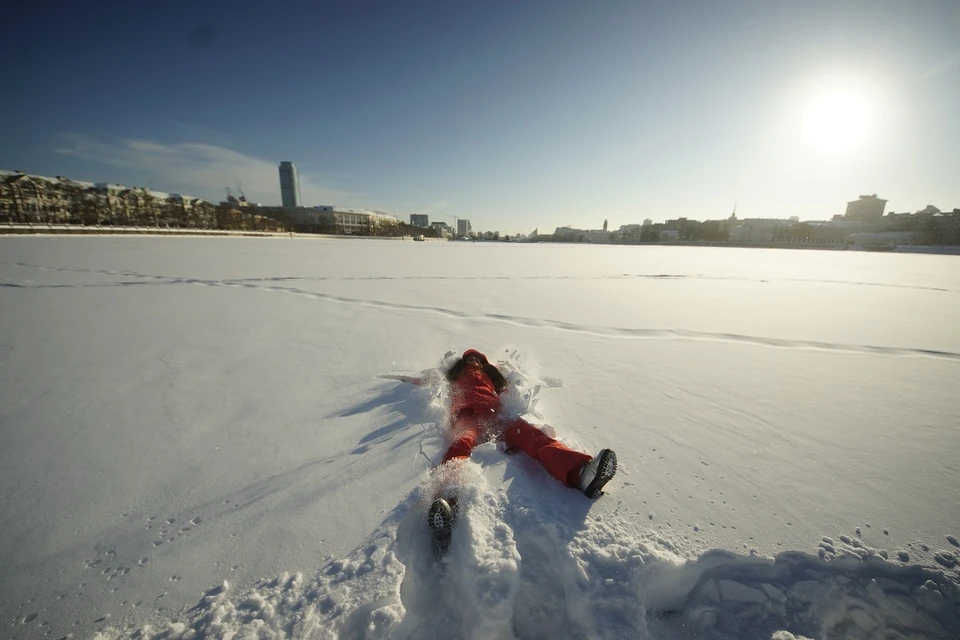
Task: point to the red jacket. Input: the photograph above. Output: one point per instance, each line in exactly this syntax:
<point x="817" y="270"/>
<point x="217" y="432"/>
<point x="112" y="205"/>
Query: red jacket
<point x="473" y="389"/>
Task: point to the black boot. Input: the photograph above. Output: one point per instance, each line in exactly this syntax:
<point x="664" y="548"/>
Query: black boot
<point x="440" y="518"/>
<point x="597" y="472"/>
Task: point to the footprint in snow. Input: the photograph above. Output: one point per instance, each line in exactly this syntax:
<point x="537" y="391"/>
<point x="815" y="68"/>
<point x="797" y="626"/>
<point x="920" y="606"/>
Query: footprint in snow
<point x="946" y="559"/>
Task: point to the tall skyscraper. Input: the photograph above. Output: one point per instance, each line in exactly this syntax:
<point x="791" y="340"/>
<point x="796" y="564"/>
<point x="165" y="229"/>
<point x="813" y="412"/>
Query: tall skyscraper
<point x="289" y="185"/>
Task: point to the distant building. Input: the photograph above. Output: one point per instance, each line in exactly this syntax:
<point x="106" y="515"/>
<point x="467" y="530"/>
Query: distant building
<point x="943" y="226"/>
<point x="348" y="222"/>
<point x="419" y="220"/>
<point x="866" y="208"/>
<point x="757" y="229"/>
<point x="442" y="228"/>
<point x="883" y="239"/>
<point x="289" y="185"/>
<point x="631" y="232"/>
<point x="38" y="199"/>
<point x="463" y="227"/>
<point x="571" y="234"/>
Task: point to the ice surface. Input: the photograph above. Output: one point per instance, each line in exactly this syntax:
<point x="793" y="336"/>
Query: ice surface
<point x="195" y="443"/>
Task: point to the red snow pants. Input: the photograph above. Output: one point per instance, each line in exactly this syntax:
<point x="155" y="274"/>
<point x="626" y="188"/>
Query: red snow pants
<point x="560" y="461"/>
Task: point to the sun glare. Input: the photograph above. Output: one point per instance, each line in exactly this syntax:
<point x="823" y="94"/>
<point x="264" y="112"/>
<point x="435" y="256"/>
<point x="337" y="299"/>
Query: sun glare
<point x="836" y="121"/>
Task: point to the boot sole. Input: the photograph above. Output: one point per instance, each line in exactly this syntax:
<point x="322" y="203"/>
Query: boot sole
<point x="440" y="517"/>
<point x="605" y="472"/>
<point x="440" y="521"/>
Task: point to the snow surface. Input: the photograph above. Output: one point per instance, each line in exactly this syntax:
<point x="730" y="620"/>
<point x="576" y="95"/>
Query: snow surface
<point x="194" y="443"/>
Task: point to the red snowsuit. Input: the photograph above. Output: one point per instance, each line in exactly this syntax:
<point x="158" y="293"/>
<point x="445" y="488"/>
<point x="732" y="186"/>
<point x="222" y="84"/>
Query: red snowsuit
<point x="475" y="418"/>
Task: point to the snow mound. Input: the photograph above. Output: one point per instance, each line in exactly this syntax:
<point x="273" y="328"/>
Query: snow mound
<point x="847" y="597"/>
<point x="528" y="560"/>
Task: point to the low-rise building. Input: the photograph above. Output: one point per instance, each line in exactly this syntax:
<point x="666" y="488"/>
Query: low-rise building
<point x="344" y="221"/>
<point x="571" y="234"/>
<point x="756" y="229"/>
<point x="442" y="228"/>
<point x="26" y="198"/>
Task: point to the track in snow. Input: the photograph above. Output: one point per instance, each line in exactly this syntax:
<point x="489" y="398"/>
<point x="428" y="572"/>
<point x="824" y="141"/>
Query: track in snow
<point x="520" y="321"/>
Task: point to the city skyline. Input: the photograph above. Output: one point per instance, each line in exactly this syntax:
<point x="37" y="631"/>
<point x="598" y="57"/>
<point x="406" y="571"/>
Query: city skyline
<point x="513" y="116"/>
<point x="867" y="210"/>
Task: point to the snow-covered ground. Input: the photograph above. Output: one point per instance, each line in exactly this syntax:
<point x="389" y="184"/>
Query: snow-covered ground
<point x="194" y="442"/>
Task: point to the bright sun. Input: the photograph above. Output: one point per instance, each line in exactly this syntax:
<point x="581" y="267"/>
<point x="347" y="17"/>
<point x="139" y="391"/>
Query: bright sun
<point x="836" y="121"/>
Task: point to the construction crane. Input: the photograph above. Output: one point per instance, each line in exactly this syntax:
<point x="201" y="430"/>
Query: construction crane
<point x="238" y="186"/>
<point x="455" y="229"/>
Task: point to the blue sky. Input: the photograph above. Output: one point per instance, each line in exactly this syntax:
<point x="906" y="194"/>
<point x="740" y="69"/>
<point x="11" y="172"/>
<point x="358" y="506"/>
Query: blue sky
<point x="514" y="114"/>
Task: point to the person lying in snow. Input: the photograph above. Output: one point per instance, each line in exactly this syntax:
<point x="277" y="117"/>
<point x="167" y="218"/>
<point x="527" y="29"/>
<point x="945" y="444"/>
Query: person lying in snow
<point x="475" y="418"/>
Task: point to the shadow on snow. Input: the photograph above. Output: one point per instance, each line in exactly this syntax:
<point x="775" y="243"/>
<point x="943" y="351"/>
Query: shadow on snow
<point x="528" y="561"/>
